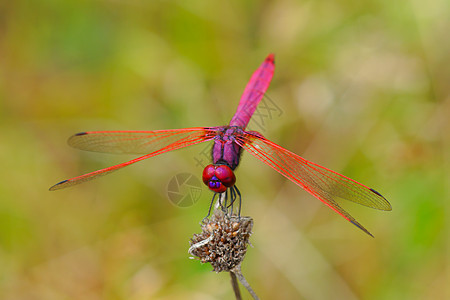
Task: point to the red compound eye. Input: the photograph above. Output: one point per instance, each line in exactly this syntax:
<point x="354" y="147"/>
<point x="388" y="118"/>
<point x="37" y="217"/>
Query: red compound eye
<point x="225" y="175"/>
<point x="208" y="173"/>
<point x="218" y="178"/>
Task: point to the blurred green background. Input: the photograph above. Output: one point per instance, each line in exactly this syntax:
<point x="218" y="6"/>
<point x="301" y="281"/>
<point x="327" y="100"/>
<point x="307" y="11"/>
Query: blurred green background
<point x="362" y="88"/>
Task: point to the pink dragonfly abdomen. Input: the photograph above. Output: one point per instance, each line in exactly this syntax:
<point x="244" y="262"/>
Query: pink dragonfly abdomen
<point x="253" y="93"/>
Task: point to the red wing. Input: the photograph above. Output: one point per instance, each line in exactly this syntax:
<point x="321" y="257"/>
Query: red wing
<point x="156" y="142"/>
<point x="324" y="184"/>
<point x="129" y="142"/>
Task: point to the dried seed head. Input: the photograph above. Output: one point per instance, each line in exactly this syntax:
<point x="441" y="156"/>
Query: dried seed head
<point x="223" y="241"/>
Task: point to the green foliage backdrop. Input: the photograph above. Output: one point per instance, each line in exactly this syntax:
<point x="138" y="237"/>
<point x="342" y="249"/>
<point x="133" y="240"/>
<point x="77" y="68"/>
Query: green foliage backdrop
<point x="363" y="87"/>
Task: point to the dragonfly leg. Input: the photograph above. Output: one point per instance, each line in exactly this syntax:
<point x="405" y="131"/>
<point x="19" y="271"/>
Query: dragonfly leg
<point x="233" y="197"/>
<point x="240" y="200"/>
<point x="223" y="206"/>
<point x="235" y="194"/>
<point x="210" y="206"/>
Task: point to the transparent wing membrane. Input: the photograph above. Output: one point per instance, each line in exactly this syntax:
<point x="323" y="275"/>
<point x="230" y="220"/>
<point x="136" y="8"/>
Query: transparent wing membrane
<point x="151" y="142"/>
<point x="130" y="142"/>
<point x="326" y="185"/>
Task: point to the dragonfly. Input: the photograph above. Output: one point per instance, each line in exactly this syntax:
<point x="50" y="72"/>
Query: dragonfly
<point x="228" y="144"/>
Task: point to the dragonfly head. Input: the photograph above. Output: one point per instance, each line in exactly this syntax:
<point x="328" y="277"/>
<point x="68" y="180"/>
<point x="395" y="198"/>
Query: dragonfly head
<point x="218" y="177"/>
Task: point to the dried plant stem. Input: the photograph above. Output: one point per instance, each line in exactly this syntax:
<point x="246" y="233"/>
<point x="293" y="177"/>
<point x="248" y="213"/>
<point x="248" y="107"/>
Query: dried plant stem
<point x="223" y="243"/>
<point x="237" y="272"/>
<point x="235" y="285"/>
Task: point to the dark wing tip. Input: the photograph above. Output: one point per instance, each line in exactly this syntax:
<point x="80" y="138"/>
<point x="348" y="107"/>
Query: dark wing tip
<point x="57" y="186"/>
<point x="361" y="227"/>
<point x="377" y="193"/>
<point x="270" y="58"/>
<point x="388" y="205"/>
<point x="74" y="137"/>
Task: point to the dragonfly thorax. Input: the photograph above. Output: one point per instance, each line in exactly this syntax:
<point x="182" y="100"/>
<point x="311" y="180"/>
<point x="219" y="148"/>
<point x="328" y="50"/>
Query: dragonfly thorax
<point x="225" y="149"/>
<point x="218" y="177"/>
